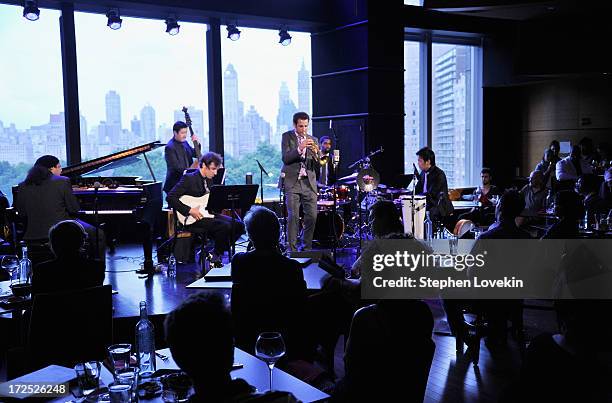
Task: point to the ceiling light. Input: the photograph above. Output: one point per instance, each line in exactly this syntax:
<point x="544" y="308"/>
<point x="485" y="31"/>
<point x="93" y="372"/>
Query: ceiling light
<point x="233" y="32"/>
<point x="114" y="21"/>
<point x="172" y="27"/>
<point x="285" y="38"/>
<point x="30" y="10"/>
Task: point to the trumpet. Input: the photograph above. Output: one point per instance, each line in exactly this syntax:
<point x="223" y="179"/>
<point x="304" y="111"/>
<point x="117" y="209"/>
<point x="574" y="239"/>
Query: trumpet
<point x="316" y="150"/>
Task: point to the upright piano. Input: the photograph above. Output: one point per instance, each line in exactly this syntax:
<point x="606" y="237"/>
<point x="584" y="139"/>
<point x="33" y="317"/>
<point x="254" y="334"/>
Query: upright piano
<point x="104" y="196"/>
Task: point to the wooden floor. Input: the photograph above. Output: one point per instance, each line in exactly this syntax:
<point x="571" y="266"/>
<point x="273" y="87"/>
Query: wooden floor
<point x="451" y="379"/>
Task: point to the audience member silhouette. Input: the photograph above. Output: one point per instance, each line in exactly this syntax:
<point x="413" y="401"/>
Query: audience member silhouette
<point x="269" y="291"/>
<point x="594" y="205"/>
<point x="209" y="368"/>
<point x="71" y="269"/>
<point x="388" y="353"/>
<point x="569" y="210"/>
<point x="573" y="365"/>
<point x="508" y="209"/>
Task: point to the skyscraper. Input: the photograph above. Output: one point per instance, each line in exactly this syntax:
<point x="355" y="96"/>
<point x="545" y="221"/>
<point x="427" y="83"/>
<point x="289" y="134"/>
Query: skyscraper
<point x="412" y="102"/>
<point x="253" y="130"/>
<point x="147" y="124"/>
<point x="304" y="89"/>
<point x="113" y="109"/>
<point x="135" y="126"/>
<point x="452" y="114"/>
<point x="286" y="110"/>
<point x="231" y="111"/>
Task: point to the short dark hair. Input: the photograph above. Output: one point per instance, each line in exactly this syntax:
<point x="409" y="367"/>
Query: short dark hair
<point x="209" y="158"/>
<point x="427" y="154"/>
<point x="387" y="218"/>
<point x="555" y="143"/>
<point x="486" y="171"/>
<point x="300" y="116"/>
<point x="511" y="204"/>
<point x="324" y="139"/>
<point x="185" y="339"/>
<point x="67" y="237"/>
<point x="262" y="226"/>
<point x="178" y="125"/>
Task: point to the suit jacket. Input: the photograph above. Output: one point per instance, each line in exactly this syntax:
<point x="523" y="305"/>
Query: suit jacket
<point x="45" y="205"/>
<point x="179" y="156"/>
<point x="292" y="159"/>
<point x="438" y="203"/>
<point x="504" y="230"/>
<point x="269" y="292"/>
<point x="67" y="273"/>
<point x="191" y="184"/>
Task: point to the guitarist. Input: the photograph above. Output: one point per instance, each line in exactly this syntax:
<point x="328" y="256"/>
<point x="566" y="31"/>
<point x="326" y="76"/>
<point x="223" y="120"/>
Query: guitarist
<point x="179" y="154"/>
<point x="198" y="184"/>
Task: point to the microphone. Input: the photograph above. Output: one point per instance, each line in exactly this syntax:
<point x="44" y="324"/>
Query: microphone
<point x="336" y="157"/>
<point x="263" y="170"/>
<point x="416" y="172"/>
<point x="330" y="124"/>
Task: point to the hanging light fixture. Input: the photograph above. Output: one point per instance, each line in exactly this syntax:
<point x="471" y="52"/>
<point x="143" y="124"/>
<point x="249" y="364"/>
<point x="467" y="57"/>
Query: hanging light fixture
<point x="285" y="38"/>
<point x="233" y="32"/>
<point x="172" y="26"/>
<point x="30" y="10"/>
<point x="114" y="21"/>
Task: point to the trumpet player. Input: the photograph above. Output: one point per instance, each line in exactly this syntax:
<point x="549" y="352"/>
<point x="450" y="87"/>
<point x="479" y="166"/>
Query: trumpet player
<point x="301" y="163"/>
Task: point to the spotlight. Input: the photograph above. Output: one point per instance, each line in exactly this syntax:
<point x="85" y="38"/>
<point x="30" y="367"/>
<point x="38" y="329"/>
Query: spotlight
<point x="233" y="32"/>
<point x="30" y="10"/>
<point x="114" y="22"/>
<point x="172" y="27"/>
<point x="285" y="38"/>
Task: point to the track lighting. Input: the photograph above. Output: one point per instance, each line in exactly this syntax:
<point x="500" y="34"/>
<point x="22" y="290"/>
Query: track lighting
<point x="30" y="10"/>
<point x="114" y="21"/>
<point x="285" y="38"/>
<point x="233" y="32"/>
<point x="172" y="27"/>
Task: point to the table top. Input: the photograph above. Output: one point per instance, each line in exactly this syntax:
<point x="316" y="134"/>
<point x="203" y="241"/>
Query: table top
<point x="220" y="278"/>
<point x="254" y="371"/>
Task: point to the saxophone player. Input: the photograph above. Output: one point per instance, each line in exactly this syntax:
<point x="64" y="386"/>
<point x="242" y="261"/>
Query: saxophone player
<point x="301" y="162"/>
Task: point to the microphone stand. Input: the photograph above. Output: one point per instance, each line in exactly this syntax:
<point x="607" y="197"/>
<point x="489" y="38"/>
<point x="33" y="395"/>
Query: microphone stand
<point x="282" y="201"/>
<point x="96" y="218"/>
<point x="261" y="173"/>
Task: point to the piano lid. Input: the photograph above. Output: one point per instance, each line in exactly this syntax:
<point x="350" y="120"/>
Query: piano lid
<point x="114" y="160"/>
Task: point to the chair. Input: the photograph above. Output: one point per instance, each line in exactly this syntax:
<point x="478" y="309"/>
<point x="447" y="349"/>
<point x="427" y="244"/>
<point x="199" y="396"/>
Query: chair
<point x="182" y="237"/>
<point x="70" y="327"/>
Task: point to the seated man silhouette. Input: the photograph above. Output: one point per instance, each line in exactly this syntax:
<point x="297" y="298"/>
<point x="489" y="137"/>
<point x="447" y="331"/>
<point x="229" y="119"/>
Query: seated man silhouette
<point x="71" y="269"/>
<point x="269" y="291"/>
<point x="569" y="210"/>
<point x="209" y="368"/>
<point x="574" y="364"/>
<point x="508" y="209"/>
<point x="388" y="353"/>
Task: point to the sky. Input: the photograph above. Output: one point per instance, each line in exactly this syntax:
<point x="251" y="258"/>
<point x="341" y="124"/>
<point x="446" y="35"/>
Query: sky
<point x="140" y="61"/>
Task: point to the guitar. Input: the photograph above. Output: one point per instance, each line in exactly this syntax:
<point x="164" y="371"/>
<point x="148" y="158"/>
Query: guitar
<point x="196" y="144"/>
<point x="193" y="201"/>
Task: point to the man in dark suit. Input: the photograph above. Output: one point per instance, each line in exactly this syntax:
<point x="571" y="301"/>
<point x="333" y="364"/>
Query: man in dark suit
<point x="44" y="198"/>
<point x="178" y="154"/>
<point x="432" y="184"/>
<point x="198" y="184"/>
<point x="301" y="158"/>
<point x="269" y="291"/>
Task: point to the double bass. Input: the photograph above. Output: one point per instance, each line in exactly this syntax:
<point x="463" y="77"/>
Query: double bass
<point x="196" y="144"/>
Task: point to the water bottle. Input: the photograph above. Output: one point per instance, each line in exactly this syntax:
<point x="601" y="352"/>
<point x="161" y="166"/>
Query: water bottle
<point x="145" y="343"/>
<point x="171" y="266"/>
<point x="585" y="221"/>
<point x="25" y="266"/>
<point x="428" y="228"/>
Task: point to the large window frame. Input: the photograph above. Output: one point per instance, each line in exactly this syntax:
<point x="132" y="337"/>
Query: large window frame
<point x="427" y="39"/>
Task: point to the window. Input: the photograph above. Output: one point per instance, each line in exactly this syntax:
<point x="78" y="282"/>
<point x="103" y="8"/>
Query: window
<point x="414" y="131"/>
<point x="455" y="117"/>
<point x="133" y="83"/>
<point x="264" y="84"/>
<point x="455" y="135"/>
<point x="31" y="93"/>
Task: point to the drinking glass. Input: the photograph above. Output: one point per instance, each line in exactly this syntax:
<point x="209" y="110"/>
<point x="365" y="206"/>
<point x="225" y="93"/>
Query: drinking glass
<point x="477" y="231"/>
<point x="453" y="243"/>
<point x="270" y="347"/>
<point x="88" y="376"/>
<point x="128" y="376"/>
<point x="120" y="393"/>
<point x="10" y="263"/>
<point x="120" y="355"/>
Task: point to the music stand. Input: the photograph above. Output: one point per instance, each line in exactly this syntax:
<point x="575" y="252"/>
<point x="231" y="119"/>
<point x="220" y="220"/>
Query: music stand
<point x="232" y="197"/>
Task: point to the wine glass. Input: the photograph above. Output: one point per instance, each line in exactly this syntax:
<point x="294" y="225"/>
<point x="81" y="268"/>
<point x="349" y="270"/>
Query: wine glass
<point x="270" y="347"/>
<point x="10" y="263"/>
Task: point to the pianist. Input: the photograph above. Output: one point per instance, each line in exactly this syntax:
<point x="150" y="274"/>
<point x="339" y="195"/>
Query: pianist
<point x="198" y="184"/>
<point x="178" y="154"/>
<point x="45" y="198"/>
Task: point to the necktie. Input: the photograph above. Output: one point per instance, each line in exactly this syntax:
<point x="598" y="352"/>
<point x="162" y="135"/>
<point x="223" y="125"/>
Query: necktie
<point x="425" y="183"/>
<point x="303" y="154"/>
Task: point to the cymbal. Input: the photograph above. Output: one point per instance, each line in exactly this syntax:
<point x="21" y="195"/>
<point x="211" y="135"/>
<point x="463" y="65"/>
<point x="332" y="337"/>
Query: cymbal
<point x="368" y="179"/>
